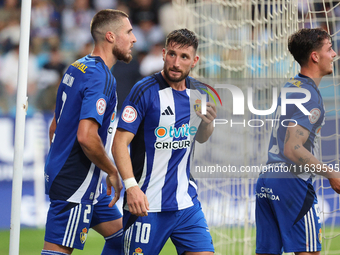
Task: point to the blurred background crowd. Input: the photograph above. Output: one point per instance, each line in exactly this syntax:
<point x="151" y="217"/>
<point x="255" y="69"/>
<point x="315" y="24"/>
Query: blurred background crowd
<point x="60" y="34"/>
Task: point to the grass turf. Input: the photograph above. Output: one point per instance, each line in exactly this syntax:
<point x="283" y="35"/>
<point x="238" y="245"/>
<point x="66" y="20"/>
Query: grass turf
<point x="32" y="241"/>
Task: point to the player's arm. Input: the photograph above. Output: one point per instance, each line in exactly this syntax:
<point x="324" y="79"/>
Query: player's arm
<point x="206" y="127"/>
<point x="136" y="199"/>
<point x="52" y="129"/>
<point x="93" y="148"/>
<point x="296" y="137"/>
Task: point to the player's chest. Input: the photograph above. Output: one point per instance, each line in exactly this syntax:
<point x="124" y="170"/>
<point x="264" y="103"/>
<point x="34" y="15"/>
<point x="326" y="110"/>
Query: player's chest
<point x="171" y="109"/>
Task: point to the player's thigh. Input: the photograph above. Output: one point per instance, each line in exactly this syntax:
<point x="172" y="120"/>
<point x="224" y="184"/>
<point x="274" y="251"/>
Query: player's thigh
<point x="68" y="224"/>
<point x="56" y="247"/>
<point x="106" y="220"/>
<point x="191" y="234"/>
<point x="108" y="228"/>
<point x="146" y="234"/>
<point x="268" y="236"/>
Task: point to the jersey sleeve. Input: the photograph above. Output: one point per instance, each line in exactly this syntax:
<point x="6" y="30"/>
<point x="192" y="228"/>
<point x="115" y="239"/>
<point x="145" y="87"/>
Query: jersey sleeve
<point x="306" y="121"/>
<point x="95" y="100"/>
<point x="134" y="108"/>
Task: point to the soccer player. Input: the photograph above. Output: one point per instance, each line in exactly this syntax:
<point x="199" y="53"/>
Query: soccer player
<point x="287" y="213"/>
<point x="161" y="127"/>
<point x="85" y="107"/>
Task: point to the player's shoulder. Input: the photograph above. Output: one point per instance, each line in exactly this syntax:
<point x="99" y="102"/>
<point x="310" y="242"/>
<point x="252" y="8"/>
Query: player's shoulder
<point x="143" y="87"/>
<point x="146" y="82"/>
<point x="91" y="65"/>
<point x="196" y="84"/>
<point x="300" y="81"/>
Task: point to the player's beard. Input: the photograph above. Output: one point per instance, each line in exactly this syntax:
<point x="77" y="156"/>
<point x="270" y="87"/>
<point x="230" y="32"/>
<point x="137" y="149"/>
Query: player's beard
<point x="182" y="77"/>
<point x="120" y="55"/>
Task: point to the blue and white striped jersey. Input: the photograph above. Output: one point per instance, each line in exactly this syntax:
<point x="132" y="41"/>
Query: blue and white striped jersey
<point x="164" y="123"/>
<point x="313" y="122"/>
<point x="87" y="91"/>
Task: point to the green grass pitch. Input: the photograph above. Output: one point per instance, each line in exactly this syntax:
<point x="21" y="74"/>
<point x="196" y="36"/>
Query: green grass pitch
<point x="32" y="241"/>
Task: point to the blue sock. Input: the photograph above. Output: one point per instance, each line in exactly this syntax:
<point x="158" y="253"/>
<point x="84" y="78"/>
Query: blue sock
<point x="47" y="252"/>
<point x="113" y="244"/>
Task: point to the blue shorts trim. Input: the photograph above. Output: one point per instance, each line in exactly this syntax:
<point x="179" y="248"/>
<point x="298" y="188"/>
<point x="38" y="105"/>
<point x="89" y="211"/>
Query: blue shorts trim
<point x="68" y="223"/>
<point x="187" y="229"/>
<point x="287" y="215"/>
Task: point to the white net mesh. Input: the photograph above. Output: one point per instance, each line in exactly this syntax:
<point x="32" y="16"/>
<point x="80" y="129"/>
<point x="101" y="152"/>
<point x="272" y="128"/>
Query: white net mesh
<point x="242" y="39"/>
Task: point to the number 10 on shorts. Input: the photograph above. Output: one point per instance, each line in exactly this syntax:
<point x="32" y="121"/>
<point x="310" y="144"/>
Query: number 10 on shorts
<point x="142" y="232"/>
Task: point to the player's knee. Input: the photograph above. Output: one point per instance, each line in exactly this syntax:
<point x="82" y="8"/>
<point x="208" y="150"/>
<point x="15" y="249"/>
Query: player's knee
<point x="113" y="243"/>
<point x="48" y="252"/>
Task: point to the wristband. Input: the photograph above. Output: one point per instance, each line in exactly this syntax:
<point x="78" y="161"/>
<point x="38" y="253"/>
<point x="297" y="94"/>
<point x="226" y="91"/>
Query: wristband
<point x="130" y="182"/>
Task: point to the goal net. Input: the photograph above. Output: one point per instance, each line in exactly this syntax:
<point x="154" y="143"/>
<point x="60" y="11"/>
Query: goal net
<point x="243" y="41"/>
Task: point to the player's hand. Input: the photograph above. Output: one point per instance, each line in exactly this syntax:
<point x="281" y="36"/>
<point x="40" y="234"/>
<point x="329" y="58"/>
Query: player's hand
<point x="335" y="184"/>
<point x="114" y="182"/>
<point x="137" y="201"/>
<point x="210" y="115"/>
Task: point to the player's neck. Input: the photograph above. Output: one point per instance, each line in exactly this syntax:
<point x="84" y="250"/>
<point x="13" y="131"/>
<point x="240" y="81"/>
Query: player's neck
<point x="180" y="86"/>
<point x="106" y="55"/>
<point x="313" y="74"/>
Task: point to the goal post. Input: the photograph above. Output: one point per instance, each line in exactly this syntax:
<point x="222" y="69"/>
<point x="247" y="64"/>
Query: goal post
<point x="247" y="40"/>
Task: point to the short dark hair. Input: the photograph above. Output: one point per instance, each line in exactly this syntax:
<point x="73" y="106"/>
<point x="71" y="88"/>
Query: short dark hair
<point x="303" y="42"/>
<point x="108" y="17"/>
<point x="183" y="37"/>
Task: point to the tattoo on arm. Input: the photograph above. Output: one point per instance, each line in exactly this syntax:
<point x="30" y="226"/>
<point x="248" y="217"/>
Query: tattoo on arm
<point x="299" y="133"/>
<point x="304" y="160"/>
<point x="296" y="147"/>
<point x="287" y="136"/>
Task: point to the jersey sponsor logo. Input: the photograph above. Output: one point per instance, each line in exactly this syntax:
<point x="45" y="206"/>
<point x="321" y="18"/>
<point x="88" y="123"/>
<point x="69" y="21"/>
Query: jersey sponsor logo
<point x="138" y="251"/>
<point x="318" y="130"/>
<point x="80" y="66"/>
<point x="314" y="115"/>
<point x="267" y="193"/>
<point x="68" y="80"/>
<point x="101" y="106"/>
<point x="184" y="131"/>
<point x="83" y="235"/>
<point x="174" y="145"/>
<point x="172" y="132"/>
<point x="129" y="114"/>
<point x="113" y="116"/>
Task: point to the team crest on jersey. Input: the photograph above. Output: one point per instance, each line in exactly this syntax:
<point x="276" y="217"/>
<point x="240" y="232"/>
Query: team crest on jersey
<point x="197" y="105"/>
<point x="320" y="235"/>
<point x="83" y="235"/>
<point x="314" y="115"/>
<point x="101" y="106"/>
<point x="129" y="114"/>
<point x="138" y="251"/>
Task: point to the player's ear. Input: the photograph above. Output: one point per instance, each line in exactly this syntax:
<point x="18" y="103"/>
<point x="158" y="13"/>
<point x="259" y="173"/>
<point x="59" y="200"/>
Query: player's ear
<point x="110" y="36"/>
<point x="163" y="53"/>
<point x="196" y="58"/>
<point x="315" y="56"/>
